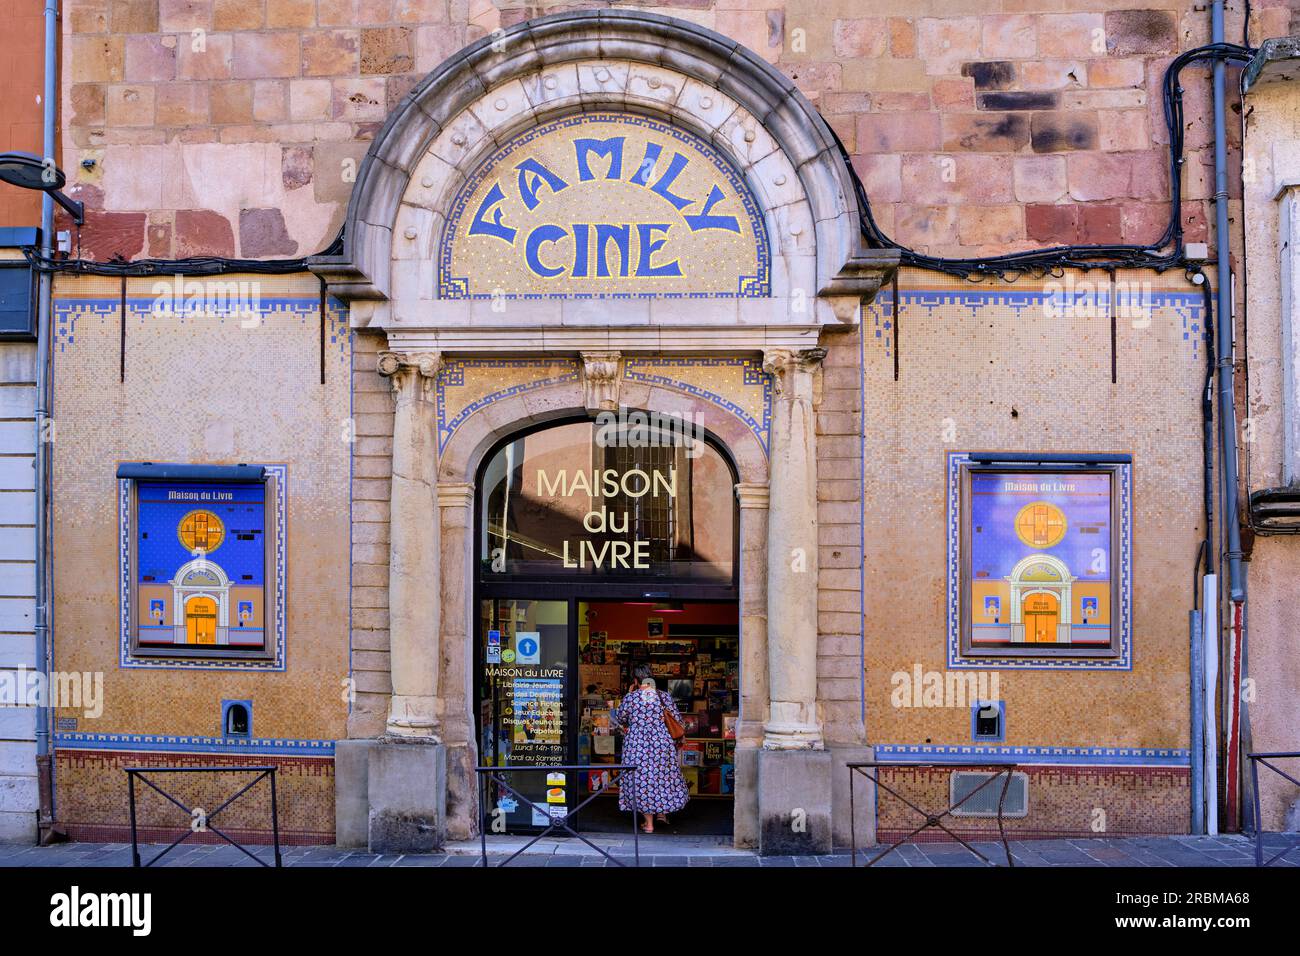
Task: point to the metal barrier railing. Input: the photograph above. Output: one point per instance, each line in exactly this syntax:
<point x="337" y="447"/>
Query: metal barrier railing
<point x="930" y="819"/>
<point x="1255" y="761"/>
<point x="493" y="775"/>
<point x="263" y="773"/>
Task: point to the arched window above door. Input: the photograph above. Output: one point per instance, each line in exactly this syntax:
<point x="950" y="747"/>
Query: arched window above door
<point x="610" y="502"/>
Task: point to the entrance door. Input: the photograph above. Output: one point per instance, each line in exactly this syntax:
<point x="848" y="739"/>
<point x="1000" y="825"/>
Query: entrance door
<point x="201" y="621"/>
<point x="546" y="672"/>
<point x="575" y="522"/>
<point x="525" y="699"/>
<point x="1042" y="611"/>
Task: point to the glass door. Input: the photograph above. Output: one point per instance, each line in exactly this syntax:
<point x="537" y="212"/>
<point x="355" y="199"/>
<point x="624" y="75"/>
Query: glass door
<point x="525" y="707"/>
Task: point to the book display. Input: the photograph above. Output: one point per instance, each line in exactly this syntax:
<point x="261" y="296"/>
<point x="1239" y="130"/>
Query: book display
<point x="695" y="662"/>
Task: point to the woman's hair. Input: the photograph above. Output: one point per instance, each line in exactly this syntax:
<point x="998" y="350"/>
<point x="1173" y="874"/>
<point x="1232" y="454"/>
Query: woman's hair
<point x="640" y="672"/>
<point x="647" y="683"/>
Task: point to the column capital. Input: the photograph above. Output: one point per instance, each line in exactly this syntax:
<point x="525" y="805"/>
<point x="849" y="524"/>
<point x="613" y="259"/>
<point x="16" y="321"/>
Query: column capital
<point x="600" y="380"/>
<point x="455" y="494"/>
<point x="785" y="364"/>
<point x="416" y="371"/>
<point x="752" y="494"/>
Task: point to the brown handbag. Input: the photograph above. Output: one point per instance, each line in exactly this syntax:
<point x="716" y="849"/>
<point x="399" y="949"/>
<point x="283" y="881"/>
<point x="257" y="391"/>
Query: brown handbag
<point x="676" y="729"/>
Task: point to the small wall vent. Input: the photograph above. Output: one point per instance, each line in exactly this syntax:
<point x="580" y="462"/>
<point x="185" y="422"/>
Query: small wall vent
<point x="962" y="783"/>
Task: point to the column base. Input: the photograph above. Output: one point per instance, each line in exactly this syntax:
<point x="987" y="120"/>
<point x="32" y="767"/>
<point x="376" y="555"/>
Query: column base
<point x="407" y="794"/>
<point x="412" y="717"/>
<point x="794" y="802"/>
<point x="792" y="726"/>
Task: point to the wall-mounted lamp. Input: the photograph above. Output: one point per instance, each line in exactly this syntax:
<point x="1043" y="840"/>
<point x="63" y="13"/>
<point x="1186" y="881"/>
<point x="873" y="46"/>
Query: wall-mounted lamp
<point x="31" y="172"/>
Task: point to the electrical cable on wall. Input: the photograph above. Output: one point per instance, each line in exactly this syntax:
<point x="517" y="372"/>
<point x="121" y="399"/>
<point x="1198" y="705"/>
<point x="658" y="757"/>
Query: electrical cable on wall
<point x="1056" y="258"/>
<point x="1009" y="267"/>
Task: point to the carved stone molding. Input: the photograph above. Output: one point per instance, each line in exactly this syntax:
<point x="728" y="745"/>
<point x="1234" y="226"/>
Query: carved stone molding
<point x="600" y="381"/>
<point x="752" y="494"/>
<point x="455" y="494"/>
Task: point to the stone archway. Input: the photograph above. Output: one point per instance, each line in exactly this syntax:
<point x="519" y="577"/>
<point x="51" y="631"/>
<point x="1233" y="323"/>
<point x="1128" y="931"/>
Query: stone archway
<point x="626" y="59"/>
<point x="782" y="163"/>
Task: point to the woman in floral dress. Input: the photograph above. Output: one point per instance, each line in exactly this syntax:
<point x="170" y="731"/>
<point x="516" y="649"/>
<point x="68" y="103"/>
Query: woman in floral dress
<point x="660" y="787"/>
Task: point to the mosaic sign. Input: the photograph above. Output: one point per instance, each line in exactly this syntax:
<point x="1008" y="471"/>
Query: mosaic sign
<point x="1040" y="553"/>
<point x="605" y="205"/>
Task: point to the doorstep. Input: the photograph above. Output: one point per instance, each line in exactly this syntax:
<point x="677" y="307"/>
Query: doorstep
<point x="615" y="844"/>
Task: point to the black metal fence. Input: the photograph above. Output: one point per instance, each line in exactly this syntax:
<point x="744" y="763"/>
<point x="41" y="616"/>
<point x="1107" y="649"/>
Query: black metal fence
<point x="1255" y="761"/>
<point x="870" y="769"/>
<point x="202" y="822"/>
<point x="619" y="772"/>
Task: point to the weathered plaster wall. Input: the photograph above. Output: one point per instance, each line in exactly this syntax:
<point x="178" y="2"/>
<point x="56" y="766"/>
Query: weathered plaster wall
<point x="978" y="126"/>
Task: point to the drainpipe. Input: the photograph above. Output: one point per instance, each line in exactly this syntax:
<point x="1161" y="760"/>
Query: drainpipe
<point x="44" y="306"/>
<point x="1227" y="419"/>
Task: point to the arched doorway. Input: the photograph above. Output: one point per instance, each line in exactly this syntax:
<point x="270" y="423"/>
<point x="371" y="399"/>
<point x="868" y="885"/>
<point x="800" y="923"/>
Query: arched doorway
<point x="489" y="229"/>
<point x="604" y="551"/>
<point x="1041" y="588"/>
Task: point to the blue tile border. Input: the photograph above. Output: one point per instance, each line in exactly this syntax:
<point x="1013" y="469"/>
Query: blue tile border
<point x="188" y="743"/>
<point x="68" y="308"/>
<point x="452" y="374"/>
<point x="634" y="370"/>
<point x="1189" y="306"/>
<point x="1035" y="754"/>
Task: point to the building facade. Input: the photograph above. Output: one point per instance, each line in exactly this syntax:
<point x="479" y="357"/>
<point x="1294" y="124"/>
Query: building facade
<point x="431" y="366"/>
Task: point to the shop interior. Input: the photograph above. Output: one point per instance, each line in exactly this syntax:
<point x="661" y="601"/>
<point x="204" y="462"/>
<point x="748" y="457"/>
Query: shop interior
<point x="550" y="669"/>
<point x="693" y="651"/>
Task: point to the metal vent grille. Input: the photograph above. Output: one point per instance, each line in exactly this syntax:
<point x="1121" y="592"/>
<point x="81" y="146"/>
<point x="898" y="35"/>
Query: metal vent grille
<point x="962" y="783"/>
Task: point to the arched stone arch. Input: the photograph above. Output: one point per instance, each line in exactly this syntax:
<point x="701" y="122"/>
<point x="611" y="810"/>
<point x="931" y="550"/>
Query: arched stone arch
<point x="460" y="458"/>
<point x="795" y="178"/>
<point x="603" y="59"/>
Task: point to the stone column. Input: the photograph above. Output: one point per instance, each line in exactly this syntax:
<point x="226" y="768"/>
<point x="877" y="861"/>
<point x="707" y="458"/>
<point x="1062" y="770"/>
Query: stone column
<point x="413" y="547"/>
<point x="456" y="589"/>
<point x="792" y="722"/>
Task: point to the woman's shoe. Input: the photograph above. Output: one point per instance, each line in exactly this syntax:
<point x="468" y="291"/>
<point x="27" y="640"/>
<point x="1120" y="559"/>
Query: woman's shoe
<point x="646" y="829"/>
<point x="662" y="817"/>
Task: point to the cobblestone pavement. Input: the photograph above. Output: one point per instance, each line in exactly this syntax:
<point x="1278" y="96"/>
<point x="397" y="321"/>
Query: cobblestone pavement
<point x="1173" y="851"/>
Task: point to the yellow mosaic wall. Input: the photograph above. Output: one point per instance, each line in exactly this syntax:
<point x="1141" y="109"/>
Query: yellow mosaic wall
<point x="990" y="367"/>
<point x="212" y="386"/>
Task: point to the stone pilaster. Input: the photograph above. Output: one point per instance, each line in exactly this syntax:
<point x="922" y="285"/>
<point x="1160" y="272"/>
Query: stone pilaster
<point x="413" y="549"/>
<point x="753" y="500"/>
<point x="456" y="590"/>
<point x="792" y="721"/>
<point x="456" y="586"/>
